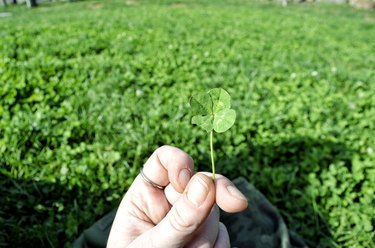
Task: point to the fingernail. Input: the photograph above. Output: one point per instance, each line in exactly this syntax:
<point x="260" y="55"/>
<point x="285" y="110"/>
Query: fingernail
<point x="236" y="193"/>
<point x="197" y="192"/>
<point x="184" y="177"/>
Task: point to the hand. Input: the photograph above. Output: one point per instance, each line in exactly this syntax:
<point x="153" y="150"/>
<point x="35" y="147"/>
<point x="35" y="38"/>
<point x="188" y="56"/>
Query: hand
<point x="184" y="214"/>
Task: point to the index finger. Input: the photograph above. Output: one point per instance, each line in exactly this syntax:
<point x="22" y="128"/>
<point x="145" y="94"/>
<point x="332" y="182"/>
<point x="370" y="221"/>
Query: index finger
<point x="228" y="197"/>
<point x="169" y="164"/>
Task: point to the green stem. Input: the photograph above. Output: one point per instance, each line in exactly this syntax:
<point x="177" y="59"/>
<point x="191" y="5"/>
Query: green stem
<point x="212" y="155"/>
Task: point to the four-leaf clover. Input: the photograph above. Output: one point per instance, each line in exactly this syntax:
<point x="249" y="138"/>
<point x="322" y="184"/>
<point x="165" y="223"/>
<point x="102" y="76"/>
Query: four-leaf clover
<point x="211" y="111"/>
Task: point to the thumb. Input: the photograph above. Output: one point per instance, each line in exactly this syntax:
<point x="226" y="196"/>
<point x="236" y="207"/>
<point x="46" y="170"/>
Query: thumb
<point x="184" y="218"/>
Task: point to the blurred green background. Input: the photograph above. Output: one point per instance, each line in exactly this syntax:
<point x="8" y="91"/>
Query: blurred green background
<point x="89" y="89"/>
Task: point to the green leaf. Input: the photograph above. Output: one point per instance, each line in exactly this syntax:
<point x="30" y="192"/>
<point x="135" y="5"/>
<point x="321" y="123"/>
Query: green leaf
<point x="211" y="110"/>
<point x="201" y="104"/>
<point x="220" y="99"/>
<point x="204" y="121"/>
<point x="224" y="120"/>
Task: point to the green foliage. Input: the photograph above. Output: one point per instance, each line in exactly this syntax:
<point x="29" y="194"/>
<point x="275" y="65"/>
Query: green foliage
<point x="88" y="90"/>
<point x="211" y="110"/>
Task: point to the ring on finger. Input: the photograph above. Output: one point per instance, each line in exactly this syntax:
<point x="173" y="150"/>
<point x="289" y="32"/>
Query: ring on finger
<point x="150" y="182"/>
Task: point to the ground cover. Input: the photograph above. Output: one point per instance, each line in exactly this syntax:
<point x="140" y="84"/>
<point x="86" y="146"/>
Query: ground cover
<point x="88" y="90"/>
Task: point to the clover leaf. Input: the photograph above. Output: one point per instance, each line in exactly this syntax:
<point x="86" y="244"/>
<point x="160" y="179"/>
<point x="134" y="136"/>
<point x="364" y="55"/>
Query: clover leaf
<point x="212" y="112"/>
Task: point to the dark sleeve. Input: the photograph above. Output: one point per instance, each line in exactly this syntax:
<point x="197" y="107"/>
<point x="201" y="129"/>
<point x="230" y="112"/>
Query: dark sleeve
<point x="260" y="225"/>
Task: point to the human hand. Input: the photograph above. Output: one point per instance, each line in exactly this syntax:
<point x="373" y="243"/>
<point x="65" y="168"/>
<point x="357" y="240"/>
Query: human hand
<point x="184" y="214"/>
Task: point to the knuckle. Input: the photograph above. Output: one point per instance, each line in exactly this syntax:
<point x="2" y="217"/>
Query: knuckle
<point x="161" y="149"/>
<point x="180" y="222"/>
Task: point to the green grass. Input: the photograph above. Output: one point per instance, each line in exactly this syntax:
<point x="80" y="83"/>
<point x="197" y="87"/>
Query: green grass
<point x="88" y="90"/>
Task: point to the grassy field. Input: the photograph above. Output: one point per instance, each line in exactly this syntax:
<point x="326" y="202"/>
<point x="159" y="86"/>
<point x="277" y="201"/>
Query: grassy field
<point x="88" y="90"/>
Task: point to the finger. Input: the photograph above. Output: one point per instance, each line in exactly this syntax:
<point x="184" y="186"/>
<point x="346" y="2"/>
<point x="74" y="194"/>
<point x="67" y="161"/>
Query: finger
<point x="169" y="165"/>
<point x="144" y="206"/>
<point x="171" y="194"/>
<point x="206" y="235"/>
<point x="223" y="240"/>
<point x="228" y="197"/>
<point x="185" y="217"/>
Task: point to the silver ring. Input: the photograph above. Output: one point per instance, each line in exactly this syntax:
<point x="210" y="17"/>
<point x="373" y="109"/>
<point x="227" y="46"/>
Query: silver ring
<point x="148" y="180"/>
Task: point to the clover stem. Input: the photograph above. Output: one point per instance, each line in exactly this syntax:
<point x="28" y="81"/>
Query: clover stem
<point x="212" y="155"/>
